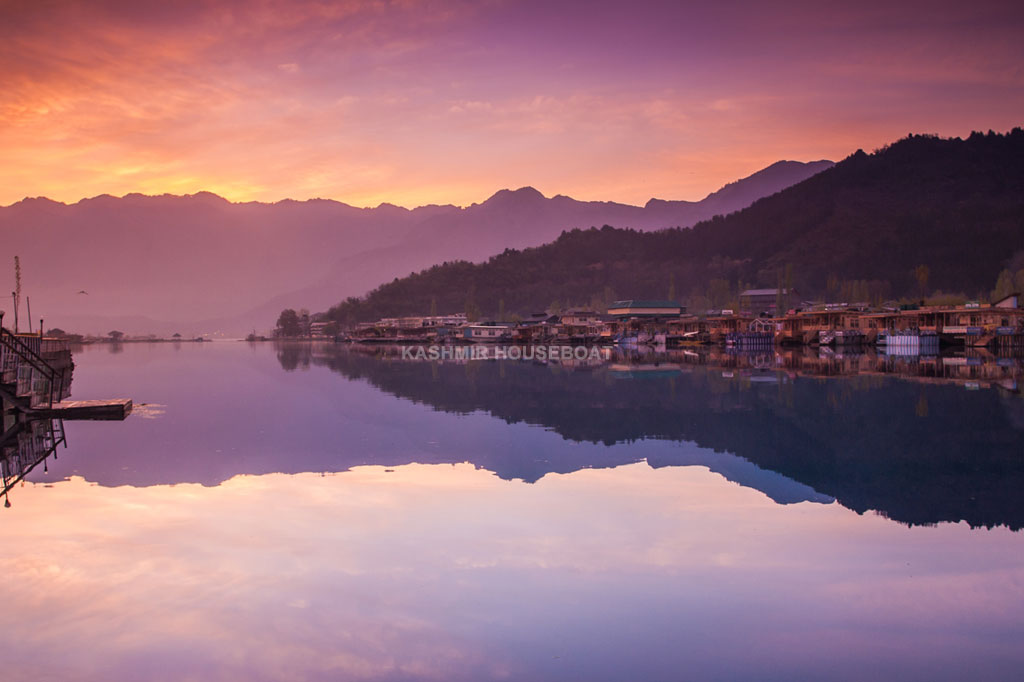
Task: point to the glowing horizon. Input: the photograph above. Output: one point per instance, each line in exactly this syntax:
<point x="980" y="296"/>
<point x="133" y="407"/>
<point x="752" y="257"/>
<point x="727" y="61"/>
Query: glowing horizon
<point x="412" y="103"/>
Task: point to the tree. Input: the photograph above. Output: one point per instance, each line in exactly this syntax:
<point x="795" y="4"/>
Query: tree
<point x="115" y="335"/>
<point x="332" y="329"/>
<point x="609" y="297"/>
<point x="56" y="332"/>
<point x="921" y="273"/>
<point x="697" y="300"/>
<point x="176" y="335"/>
<point x="288" y="323"/>
<point x="671" y="287"/>
<point x="472" y="309"/>
<point x="719" y="292"/>
<point x="501" y="310"/>
<point x="1004" y="286"/>
<point x="832" y="286"/>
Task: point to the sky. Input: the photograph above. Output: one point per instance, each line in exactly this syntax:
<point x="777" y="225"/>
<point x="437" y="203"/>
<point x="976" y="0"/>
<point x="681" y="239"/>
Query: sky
<point x="414" y="102"/>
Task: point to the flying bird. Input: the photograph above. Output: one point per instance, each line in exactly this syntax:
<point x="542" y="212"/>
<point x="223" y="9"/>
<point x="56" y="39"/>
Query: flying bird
<point x="83" y="291"/>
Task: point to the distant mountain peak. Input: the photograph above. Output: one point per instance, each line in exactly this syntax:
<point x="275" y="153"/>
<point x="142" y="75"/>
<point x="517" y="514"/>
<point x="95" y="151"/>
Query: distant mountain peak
<point x="389" y="208"/>
<point x="38" y="202"/>
<point x="663" y="203"/>
<point x="208" y="196"/>
<point x="521" y="195"/>
<point x="765" y="182"/>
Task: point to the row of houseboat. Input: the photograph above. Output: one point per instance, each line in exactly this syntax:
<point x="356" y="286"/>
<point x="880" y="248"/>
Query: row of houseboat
<point x="914" y="328"/>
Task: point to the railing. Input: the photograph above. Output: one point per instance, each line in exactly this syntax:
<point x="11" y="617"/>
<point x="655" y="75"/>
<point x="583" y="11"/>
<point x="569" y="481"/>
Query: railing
<point x="23" y="447"/>
<point x="20" y="359"/>
<point x="51" y="345"/>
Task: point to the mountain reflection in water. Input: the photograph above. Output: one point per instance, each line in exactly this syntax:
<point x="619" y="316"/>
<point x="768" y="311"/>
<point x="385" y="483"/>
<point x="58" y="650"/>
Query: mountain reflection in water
<point x="908" y="437"/>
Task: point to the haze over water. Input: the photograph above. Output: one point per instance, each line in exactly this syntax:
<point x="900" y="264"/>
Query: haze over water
<point x="296" y="512"/>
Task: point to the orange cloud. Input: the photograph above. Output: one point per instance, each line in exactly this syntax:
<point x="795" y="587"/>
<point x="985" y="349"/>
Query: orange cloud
<point x="412" y="102"/>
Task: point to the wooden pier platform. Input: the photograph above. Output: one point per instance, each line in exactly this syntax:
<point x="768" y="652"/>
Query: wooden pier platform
<point x="107" y="410"/>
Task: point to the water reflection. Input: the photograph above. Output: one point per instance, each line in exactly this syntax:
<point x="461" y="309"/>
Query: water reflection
<point x="893" y="434"/>
<point x="448" y="572"/>
<point x="213" y="415"/>
<point x="26" y="445"/>
<point x="917" y="446"/>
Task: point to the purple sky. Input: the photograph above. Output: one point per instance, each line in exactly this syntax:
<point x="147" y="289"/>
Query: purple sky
<point x="416" y="102"/>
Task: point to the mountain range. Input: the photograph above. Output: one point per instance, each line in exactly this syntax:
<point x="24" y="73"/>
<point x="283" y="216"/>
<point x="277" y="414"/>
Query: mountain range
<point x="858" y="231"/>
<point x="198" y="263"/>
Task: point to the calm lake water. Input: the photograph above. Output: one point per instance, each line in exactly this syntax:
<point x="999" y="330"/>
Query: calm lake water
<point x="316" y="513"/>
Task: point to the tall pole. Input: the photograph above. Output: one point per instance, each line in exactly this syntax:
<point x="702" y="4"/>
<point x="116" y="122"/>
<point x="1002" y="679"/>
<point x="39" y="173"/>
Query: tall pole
<point x="14" y="299"/>
<point x="28" y="306"/>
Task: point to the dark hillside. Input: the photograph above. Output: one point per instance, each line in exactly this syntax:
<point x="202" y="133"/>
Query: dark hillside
<point x="856" y="230"/>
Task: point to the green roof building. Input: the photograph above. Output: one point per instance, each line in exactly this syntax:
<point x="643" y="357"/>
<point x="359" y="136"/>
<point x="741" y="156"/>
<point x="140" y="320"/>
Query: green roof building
<point x="636" y="308"/>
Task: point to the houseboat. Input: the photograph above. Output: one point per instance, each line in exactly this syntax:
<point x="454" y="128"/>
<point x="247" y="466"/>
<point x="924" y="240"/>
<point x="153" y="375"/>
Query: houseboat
<point x="492" y="332"/>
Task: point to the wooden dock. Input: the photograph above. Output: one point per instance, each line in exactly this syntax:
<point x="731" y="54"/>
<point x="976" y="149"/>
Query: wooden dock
<point x="107" y="410"/>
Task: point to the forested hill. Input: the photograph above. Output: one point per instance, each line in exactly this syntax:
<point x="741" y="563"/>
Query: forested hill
<point x="857" y="230"/>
